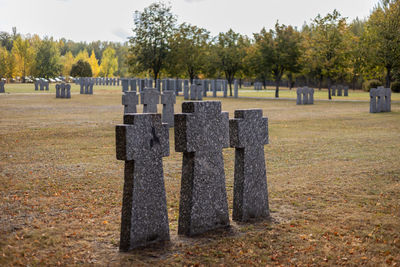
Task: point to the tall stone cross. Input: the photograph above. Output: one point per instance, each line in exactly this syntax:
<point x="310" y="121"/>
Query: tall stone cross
<point x="248" y="133"/>
<point x="130" y="99"/>
<point x="168" y="99"/>
<point x="125" y="84"/>
<point x="142" y="141"/>
<point x="150" y="97"/>
<point x="201" y="132"/>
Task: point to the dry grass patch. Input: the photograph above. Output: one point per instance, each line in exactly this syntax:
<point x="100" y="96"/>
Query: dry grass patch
<point x="333" y="177"/>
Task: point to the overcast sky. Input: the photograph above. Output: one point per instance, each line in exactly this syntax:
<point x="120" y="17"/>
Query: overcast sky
<point x="88" y="20"/>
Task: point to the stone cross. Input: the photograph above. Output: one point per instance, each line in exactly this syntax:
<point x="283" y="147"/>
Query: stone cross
<point x="199" y="92"/>
<point x="248" y="133"/>
<point x="58" y="87"/>
<point x="339" y="90"/>
<point x="214" y="87"/>
<point x="133" y="85"/>
<point x="168" y="99"/>
<point x="333" y="90"/>
<point x="298" y="100"/>
<point x="150" y="97"/>
<point x="193" y="91"/>
<point x="125" y="85"/>
<point x="305" y="95"/>
<point x="225" y="87"/>
<point x="130" y="100"/>
<point x="346" y="91"/>
<point x="373" y="93"/>
<point x="311" y="96"/>
<point x="236" y="89"/>
<point x="186" y="91"/>
<point x="201" y="132"/>
<point x="68" y="91"/>
<point x="142" y="141"/>
<point x="62" y="88"/>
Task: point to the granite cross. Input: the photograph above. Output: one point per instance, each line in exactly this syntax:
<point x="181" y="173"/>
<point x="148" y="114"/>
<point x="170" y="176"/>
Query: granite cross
<point x="142" y="141"/>
<point x="201" y="132"/>
<point x="248" y="133"/>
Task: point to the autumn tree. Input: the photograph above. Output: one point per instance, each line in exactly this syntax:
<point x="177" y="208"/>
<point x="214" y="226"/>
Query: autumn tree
<point x="24" y="57"/>
<point x="7" y="63"/>
<point x="230" y="49"/>
<point x="154" y="27"/>
<point x="94" y="64"/>
<point x="67" y="62"/>
<point x="109" y="63"/>
<point x="82" y="55"/>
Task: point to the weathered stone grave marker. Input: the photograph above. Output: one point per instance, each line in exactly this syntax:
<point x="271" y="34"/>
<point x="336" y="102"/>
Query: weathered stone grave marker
<point x="150" y="97"/>
<point x="142" y="141"/>
<point x="168" y="99"/>
<point x="130" y="100"/>
<point x="248" y="133"/>
<point x="201" y="132"/>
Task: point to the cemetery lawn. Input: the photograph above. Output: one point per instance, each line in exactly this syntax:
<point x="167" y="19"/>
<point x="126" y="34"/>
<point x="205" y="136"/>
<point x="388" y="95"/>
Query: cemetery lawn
<point x="333" y="176"/>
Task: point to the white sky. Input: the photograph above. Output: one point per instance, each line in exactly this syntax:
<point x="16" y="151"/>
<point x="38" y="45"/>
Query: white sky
<point x="89" y="20"/>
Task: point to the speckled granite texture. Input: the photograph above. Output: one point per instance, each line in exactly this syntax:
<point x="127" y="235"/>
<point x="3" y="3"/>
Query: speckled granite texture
<point x="248" y="134"/>
<point x="141" y="142"/>
<point x="201" y="132"/>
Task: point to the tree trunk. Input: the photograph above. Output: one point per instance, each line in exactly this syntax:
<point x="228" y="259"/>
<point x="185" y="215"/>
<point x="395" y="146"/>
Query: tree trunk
<point x="320" y="84"/>
<point x="388" y="76"/>
<point x="240" y="83"/>
<point x="329" y="89"/>
<point x="277" y="88"/>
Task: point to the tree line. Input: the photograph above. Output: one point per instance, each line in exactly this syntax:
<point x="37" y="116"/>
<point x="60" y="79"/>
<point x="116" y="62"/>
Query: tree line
<point x="24" y="56"/>
<point x="328" y="50"/>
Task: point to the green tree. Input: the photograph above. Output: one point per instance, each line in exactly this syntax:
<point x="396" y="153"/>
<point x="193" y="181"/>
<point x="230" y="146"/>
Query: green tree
<point x="188" y="50"/>
<point x="81" y="69"/>
<point x="382" y="35"/>
<point x="153" y="29"/>
<point x="109" y="63"/>
<point x="327" y="46"/>
<point x="279" y="50"/>
<point x="230" y="49"/>
<point x="24" y="56"/>
<point x="48" y="59"/>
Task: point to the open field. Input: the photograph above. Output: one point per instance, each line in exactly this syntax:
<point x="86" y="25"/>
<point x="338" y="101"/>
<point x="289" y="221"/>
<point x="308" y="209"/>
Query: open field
<point x="333" y="175"/>
<point x="284" y="92"/>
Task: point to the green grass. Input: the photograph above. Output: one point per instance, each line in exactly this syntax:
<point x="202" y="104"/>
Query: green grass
<point x="333" y="178"/>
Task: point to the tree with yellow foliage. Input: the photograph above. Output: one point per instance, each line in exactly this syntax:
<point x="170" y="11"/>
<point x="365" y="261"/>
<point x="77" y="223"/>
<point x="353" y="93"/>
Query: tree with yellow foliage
<point x="7" y="63"/>
<point x="24" y="57"/>
<point x="94" y="64"/>
<point x="67" y="62"/>
<point x="109" y="63"/>
<point x="82" y="55"/>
